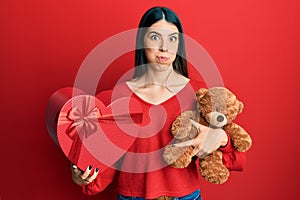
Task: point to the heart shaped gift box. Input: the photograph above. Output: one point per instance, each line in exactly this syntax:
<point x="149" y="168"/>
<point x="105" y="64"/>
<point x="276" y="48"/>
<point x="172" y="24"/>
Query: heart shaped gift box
<point x="90" y="133"/>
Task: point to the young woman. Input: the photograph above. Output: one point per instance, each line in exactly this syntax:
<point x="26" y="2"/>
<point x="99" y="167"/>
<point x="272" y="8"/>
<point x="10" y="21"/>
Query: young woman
<point x="163" y="89"/>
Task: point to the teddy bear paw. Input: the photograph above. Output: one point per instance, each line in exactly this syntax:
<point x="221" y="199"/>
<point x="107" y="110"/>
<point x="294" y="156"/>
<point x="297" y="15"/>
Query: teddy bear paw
<point x="178" y="157"/>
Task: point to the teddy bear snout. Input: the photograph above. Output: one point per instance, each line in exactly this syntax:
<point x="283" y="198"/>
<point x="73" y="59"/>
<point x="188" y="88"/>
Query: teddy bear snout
<point x="217" y="119"/>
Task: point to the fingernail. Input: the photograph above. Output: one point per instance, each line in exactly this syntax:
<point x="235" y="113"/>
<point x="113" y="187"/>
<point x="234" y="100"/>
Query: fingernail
<point x="90" y="167"/>
<point x="97" y="170"/>
<point x="74" y="166"/>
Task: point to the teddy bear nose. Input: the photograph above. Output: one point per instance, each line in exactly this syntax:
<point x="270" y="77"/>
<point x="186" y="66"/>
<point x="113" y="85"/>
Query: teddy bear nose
<point x="220" y="118"/>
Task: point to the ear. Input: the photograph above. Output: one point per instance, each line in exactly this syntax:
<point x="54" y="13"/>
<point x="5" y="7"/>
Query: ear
<point x="200" y="93"/>
<point x="241" y="107"/>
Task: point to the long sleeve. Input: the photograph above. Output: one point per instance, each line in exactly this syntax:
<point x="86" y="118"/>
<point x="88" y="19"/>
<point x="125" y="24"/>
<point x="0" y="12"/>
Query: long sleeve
<point x="232" y="159"/>
<point x="100" y="183"/>
<point x="106" y="176"/>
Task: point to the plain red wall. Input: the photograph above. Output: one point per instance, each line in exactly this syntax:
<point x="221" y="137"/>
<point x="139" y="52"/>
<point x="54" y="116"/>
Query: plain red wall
<point x="255" y="45"/>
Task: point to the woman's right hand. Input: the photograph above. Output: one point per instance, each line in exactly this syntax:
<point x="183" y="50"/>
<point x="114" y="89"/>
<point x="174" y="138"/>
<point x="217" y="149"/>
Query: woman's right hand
<point x="207" y="141"/>
<point x="83" y="178"/>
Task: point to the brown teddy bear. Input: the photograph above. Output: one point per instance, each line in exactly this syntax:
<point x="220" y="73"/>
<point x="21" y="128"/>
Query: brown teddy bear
<point x="216" y="107"/>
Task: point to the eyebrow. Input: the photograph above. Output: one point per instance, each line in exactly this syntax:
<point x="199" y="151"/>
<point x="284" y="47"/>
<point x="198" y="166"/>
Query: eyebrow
<point x="175" y="33"/>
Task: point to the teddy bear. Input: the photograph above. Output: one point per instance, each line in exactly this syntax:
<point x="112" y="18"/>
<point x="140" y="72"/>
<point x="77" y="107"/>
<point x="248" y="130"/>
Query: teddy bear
<point x="216" y="107"/>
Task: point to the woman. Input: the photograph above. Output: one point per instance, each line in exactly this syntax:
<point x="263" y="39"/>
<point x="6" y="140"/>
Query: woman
<point x="160" y="82"/>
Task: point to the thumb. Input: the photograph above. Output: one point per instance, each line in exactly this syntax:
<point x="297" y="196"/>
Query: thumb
<point x="75" y="169"/>
<point x="185" y="143"/>
<point x="197" y="125"/>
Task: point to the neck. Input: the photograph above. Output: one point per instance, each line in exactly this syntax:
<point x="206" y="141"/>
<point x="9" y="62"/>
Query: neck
<point x="159" y="77"/>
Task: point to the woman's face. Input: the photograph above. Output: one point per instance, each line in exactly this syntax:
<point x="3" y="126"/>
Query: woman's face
<point x="161" y="44"/>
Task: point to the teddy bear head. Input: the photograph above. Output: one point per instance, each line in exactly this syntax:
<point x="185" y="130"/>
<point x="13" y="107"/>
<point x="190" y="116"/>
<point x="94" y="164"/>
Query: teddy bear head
<point x="218" y="106"/>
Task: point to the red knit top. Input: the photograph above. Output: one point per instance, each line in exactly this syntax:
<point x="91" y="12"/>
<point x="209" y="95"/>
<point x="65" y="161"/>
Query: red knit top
<point x="142" y="171"/>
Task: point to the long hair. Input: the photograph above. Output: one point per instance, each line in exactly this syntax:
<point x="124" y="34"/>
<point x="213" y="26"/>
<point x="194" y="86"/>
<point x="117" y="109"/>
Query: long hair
<point x="150" y="17"/>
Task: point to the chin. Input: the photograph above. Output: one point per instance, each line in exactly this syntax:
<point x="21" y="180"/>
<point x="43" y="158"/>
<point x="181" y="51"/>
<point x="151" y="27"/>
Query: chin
<point x="161" y="66"/>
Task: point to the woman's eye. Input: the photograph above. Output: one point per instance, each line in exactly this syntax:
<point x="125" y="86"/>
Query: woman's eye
<point x="154" y="37"/>
<point x="173" y="38"/>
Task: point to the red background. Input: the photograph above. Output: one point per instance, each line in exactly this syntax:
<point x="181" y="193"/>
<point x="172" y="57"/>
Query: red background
<point x="255" y="45"/>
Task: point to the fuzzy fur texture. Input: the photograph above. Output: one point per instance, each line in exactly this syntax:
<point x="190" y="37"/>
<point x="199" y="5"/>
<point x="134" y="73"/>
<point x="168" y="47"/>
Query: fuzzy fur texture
<point x="182" y="130"/>
<point x="217" y="99"/>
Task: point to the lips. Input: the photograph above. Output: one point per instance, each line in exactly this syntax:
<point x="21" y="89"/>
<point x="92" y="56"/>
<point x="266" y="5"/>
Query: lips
<point x="162" y="59"/>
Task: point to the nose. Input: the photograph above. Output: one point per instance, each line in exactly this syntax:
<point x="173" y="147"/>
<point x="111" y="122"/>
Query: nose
<point x="163" y="46"/>
<point x="220" y="118"/>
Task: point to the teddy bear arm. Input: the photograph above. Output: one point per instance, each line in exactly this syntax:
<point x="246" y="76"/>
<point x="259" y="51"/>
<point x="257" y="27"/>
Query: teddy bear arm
<point x="240" y="139"/>
<point x="178" y="157"/>
<point x="182" y="127"/>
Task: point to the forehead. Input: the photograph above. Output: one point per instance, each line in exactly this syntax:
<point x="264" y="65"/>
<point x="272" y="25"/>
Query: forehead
<point x="162" y="26"/>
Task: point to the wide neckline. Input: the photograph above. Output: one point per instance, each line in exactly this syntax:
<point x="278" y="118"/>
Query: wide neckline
<point x="161" y="103"/>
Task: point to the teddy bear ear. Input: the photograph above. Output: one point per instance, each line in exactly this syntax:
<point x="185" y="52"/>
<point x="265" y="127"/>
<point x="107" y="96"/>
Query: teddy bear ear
<point x="201" y="92"/>
<point x="241" y="107"/>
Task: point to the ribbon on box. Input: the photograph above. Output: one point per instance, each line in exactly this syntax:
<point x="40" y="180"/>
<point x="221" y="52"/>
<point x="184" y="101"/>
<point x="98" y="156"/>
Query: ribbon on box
<point x="83" y="118"/>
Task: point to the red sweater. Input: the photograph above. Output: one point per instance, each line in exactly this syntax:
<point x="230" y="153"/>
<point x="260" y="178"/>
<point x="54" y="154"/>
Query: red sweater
<point x="142" y="171"/>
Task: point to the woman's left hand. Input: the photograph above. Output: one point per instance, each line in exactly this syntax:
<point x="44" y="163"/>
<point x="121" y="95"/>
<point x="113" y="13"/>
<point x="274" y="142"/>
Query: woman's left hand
<point x="207" y="141"/>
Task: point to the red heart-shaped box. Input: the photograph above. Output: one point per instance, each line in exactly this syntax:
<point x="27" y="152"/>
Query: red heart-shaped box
<point x="90" y="133"/>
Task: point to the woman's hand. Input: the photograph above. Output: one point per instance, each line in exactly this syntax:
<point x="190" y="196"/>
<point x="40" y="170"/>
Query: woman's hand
<point x="207" y="141"/>
<point x="83" y="178"/>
